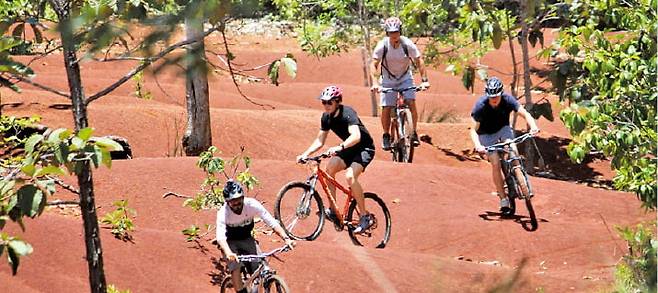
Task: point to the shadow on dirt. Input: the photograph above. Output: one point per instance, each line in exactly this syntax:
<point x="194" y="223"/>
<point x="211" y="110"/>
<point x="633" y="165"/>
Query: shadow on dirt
<point x="525" y="221"/>
<point x="512" y="283"/>
<point x="556" y="162"/>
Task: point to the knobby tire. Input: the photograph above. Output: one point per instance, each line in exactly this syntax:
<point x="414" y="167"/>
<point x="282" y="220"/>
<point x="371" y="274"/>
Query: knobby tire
<point x="382" y="227"/>
<point x="275" y="284"/>
<point x="298" y="207"/>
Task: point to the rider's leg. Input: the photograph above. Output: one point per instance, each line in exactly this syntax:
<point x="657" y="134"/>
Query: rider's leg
<point x="414" y="112"/>
<point x="352" y="175"/>
<point x="335" y="164"/>
<point x="237" y="279"/>
<point x="497" y="174"/>
<point x="386" y="119"/>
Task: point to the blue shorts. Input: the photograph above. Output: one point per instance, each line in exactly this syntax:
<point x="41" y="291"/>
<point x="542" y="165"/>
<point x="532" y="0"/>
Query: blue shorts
<point x="388" y="99"/>
<point x="501" y="135"/>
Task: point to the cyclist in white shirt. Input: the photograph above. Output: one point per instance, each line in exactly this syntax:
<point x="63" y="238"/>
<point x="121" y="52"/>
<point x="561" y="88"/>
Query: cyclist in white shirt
<point x="235" y="222"/>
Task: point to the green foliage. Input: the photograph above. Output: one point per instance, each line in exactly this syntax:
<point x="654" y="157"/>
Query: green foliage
<point x="140" y="91"/>
<point x="15" y="248"/>
<point x="217" y="169"/>
<point x="610" y="79"/>
<point x="637" y="271"/>
<point x="192" y="233"/>
<point x="120" y="220"/>
<point x="113" y="289"/>
<point x="29" y="179"/>
<point x="289" y="64"/>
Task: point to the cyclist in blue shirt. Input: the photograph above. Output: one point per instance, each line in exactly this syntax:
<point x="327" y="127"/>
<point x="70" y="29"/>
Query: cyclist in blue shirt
<point x="491" y="124"/>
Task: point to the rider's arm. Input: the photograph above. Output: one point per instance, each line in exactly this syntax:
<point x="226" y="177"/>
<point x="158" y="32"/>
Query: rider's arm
<point x="221" y="232"/>
<point x="317" y="143"/>
<point x="421" y="69"/>
<point x="354" y="138"/>
<point x="474" y="135"/>
<point x="374" y="69"/>
<point x="528" y="118"/>
<point x="270" y="221"/>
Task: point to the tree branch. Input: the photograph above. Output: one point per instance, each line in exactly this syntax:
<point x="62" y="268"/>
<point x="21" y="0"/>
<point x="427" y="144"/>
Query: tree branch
<point x="64" y="185"/>
<point x="235" y="82"/>
<point x="145" y="63"/>
<point x="43" y="87"/>
<point x="63" y="202"/>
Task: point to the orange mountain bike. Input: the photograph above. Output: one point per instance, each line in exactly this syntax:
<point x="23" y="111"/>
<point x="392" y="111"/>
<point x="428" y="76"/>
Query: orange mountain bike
<point x="300" y="210"/>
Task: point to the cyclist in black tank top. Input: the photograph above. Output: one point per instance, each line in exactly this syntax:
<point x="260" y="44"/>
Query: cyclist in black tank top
<point x="353" y="154"/>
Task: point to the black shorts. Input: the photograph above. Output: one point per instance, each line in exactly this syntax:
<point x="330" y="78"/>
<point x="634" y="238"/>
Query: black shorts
<point x="242" y="247"/>
<point x="360" y="155"/>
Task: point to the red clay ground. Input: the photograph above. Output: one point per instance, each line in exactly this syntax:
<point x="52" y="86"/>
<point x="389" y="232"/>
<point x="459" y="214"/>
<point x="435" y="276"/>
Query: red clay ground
<point x="444" y="233"/>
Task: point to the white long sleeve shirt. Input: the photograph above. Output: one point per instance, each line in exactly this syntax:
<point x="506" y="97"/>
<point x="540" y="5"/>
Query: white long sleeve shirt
<point x="231" y="226"/>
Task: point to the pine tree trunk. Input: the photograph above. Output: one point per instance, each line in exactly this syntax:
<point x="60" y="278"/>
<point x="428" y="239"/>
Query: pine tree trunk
<point x="198" y="137"/>
<point x="85" y="180"/>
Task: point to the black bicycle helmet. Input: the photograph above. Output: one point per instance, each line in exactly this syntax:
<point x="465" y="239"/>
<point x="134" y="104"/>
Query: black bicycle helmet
<point x="232" y="190"/>
<point x="494" y="87"/>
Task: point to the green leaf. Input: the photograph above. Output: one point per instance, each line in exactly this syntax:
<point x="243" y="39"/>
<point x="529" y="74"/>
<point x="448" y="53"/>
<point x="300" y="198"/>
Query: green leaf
<point x="13" y="260"/>
<point x="31" y="142"/>
<point x="6" y="186"/>
<point x="28" y="169"/>
<point x="20" y="247"/>
<point x="58" y="135"/>
<point x="77" y="143"/>
<point x="107" y="143"/>
<point x="85" y="133"/>
<point x="50" y="170"/>
<point x="273" y="72"/>
<point x="107" y="158"/>
<point x="290" y="65"/>
<point x="497" y="35"/>
<point x="29" y="200"/>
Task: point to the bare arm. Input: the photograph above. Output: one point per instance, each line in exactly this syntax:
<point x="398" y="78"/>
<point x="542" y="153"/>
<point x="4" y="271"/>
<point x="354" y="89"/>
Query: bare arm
<point x="528" y="118"/>
<point x="474" y="135"/>
<point x="374" y="69"/>
<point x="421" y="68"/>
<point x="317" y="143"/>
<point x="352" y="140"/>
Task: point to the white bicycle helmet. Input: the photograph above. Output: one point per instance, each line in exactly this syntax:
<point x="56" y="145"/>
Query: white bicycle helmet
<point x="392" y="24"/>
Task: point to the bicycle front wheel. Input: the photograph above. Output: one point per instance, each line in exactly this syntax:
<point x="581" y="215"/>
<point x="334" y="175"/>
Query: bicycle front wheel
<point x="526" y="191"/>
<point x="227" y="285"/>
<point x="275" y="284"/>
<point x="299" y="210"/>
<point x="405" y="130"/>
<point x="380" y="232"/>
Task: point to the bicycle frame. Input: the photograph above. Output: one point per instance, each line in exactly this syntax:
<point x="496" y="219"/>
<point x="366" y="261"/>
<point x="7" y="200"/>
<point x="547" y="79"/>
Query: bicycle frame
<point x="510" y="161"/>
<point x="324" y="179"/>
<point x="263" y="272"/>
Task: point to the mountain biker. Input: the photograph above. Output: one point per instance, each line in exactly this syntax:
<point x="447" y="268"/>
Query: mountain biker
<point x="353" y="154"/>
<point x="396" y="54"/>
<point x="235" y="222"/>
<point x="491" y="124"/>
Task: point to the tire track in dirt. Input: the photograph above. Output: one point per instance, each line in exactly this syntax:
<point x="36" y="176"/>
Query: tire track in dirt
<point x="370" y="266"/>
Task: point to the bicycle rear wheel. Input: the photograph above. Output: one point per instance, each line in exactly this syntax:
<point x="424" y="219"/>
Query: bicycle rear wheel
<point x="380" y="232"/>
<point x="299" y="210"/>
<point x="275" y="284"/>
<point x="405" y="130"/>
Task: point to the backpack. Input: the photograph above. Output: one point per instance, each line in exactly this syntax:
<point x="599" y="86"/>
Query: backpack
<point x="406" y="54"/>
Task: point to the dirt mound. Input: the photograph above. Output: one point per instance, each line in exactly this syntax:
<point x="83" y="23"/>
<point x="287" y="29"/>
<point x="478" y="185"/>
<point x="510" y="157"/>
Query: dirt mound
<point x="447" y="235"/>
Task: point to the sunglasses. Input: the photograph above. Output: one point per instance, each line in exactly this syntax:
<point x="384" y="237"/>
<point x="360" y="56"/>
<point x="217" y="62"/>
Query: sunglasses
<point x="327" y="102"/>
<point x="235" y="202"/>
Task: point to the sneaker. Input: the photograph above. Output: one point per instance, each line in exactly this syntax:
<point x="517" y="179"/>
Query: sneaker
<point x="386" y="142"/>
<point x="330" y="215"/>
<point x="414" y="140"/>
<point x="364" y="223"/>
<point x="504" y="205"/>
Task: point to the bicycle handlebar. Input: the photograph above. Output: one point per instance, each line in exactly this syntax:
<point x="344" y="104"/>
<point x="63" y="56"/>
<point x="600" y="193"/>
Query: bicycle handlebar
<point x="317" y="158"/>
<point x="255" y="257"/>
<point x="400" y="90"/>
<point x="501" y="146"/>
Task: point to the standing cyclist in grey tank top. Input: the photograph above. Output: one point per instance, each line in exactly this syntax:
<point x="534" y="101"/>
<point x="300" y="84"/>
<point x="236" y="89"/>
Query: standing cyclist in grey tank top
<point x="396" y="54"/>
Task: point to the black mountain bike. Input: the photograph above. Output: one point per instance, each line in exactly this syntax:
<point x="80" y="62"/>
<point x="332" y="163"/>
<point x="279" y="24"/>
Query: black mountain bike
<point x="263" y="279"/>
<point x="402" y="147"/>
<point x="516" y="177"/>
